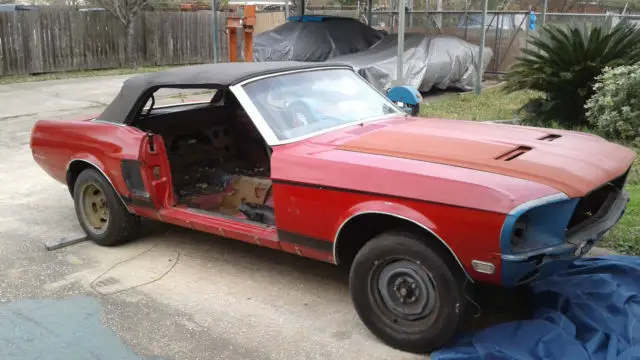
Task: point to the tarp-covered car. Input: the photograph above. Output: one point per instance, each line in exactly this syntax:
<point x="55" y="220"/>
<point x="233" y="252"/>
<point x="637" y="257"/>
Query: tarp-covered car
<point x="440" y="62"/>
<point x="311" y="40"/>
<point x="310" y="159"/>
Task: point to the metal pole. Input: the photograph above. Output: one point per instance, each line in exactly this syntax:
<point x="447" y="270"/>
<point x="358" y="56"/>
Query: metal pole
<point x="214" y="26"/>
<point x="286" y="11"/>
<point x="410" y="14"/>
<point x="439" y="16"/>
<point x="544" y="13"/>
<point x="466" y="19"/>
<point x="370" y="12"/>
<point x="481" y="50"/>
<point x="400" y="69"/>
<point x="427" y="6"/>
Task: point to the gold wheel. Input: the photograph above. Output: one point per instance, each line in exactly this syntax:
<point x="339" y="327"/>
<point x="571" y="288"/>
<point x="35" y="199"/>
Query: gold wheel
<point x="94" y="209"/>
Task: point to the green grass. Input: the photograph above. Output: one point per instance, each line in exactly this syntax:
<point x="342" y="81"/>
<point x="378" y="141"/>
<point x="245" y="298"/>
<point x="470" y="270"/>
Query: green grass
<point x="494" y="104"/>
<point x="77" y="74"/>
<point x="625" y="236"/>
<point x="634" y="176"/>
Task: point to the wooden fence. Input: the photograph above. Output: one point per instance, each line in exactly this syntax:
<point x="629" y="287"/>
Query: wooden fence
<point x="66" y="40"/>
<point x="268" y="20"/>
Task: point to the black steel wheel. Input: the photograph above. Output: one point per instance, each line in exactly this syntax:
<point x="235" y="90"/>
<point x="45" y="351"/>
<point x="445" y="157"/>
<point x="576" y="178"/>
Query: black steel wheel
<point x="408" y="293"/>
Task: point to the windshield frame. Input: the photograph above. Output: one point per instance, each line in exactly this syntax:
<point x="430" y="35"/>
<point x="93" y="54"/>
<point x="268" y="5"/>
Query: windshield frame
<point x="265" y="129"/>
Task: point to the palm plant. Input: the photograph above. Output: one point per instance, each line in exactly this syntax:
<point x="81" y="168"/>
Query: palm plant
<point x="563" y="63"/>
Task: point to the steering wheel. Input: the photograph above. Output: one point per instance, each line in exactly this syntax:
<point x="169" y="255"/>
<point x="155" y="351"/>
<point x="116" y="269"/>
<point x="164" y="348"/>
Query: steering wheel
<point x="300" y="114"/>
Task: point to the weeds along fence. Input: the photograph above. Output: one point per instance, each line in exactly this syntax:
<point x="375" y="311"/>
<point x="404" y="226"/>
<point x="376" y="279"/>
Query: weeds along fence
<point x="67" y="40"/>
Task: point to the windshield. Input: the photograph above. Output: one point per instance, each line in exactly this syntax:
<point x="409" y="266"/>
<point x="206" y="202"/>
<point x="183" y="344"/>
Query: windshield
<point x="303" y="103"/>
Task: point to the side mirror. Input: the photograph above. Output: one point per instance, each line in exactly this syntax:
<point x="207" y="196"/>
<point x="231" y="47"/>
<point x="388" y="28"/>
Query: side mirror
<point x="407" y="97"/>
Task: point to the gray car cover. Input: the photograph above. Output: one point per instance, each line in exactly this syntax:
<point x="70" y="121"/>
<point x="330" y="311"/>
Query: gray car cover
<point x="440" y="62"/>
<point x="314" y="41"/>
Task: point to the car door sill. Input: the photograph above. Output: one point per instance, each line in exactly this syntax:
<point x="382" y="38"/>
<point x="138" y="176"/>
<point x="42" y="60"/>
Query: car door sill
<point x="215" y="214"/>
<point x="222" y="225"/>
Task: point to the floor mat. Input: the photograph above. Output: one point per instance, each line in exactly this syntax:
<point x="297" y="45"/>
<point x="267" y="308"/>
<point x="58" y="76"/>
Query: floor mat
<point x="590" y="311"/>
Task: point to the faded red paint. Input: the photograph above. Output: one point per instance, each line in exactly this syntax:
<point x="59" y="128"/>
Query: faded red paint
<point x="319" y="213"/>
<point x="572" y="163"/>
<point x="56" y="143"/>
<point x="402" y="167"/>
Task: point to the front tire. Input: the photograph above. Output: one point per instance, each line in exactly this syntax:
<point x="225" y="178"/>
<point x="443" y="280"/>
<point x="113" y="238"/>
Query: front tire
<point x="409" y="294"/>
<point x="102" y="215"/>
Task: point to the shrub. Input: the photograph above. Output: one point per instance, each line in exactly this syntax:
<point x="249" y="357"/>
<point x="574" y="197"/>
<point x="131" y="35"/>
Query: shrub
<point x="563" y="63"/>
<point x="614" y="109"/>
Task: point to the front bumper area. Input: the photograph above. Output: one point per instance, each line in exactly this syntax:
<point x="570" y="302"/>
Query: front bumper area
<point x="522" y="268"/>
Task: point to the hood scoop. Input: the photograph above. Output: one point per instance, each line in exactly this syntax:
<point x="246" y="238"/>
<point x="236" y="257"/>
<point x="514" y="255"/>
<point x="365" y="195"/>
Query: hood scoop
<point x="550" y="137"/>
<point x="515" y="153"/>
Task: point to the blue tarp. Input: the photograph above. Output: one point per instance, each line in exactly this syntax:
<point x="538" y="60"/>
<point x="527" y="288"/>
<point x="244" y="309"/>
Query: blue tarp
<point x="589" y="311"/>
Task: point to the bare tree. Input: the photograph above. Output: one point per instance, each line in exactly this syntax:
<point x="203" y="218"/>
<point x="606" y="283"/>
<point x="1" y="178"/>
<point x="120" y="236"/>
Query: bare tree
<point x="128" y="12"/>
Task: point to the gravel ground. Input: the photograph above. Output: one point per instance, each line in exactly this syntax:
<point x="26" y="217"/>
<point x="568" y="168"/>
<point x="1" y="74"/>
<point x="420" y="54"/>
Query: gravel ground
<point x="174" y="294"/>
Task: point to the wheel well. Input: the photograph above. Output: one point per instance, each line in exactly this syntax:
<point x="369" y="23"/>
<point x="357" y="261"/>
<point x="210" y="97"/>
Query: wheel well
<point x="362" y="228"/>
<point x="75" y="168"/>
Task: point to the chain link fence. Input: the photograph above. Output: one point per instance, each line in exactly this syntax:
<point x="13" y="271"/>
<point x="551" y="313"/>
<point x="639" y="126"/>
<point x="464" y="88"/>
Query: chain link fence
<point x="506" y="31"/>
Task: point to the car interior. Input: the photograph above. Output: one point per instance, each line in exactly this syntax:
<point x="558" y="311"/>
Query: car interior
<point x="219" y="161"/>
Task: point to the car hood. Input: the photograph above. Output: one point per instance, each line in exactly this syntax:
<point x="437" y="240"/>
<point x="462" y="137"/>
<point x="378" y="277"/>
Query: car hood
<point x="574" y="163"/>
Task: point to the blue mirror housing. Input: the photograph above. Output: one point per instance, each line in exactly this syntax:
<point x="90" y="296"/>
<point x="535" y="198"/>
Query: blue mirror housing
<point x="407" y="97"/>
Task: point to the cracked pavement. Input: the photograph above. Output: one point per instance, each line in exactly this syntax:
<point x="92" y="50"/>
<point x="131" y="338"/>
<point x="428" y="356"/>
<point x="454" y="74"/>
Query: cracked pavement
<point x="173" y="294"/>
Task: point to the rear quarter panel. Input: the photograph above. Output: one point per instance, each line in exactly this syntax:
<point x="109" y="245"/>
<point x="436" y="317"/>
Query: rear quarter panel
<point x="55" y="144"/>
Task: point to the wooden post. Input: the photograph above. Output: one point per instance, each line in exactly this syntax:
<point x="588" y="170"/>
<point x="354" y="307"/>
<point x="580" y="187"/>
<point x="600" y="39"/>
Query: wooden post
<point x="246" y="23"/>
<point x="233" y="43"/>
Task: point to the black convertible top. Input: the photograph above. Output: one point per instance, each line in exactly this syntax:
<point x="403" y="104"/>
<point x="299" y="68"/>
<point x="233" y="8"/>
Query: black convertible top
<point x="206" y="75"/>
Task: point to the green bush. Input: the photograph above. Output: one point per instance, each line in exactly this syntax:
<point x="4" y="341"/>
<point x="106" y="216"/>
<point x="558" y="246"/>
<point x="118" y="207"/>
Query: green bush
<point x="563" y="62"/>
<point x="614" y="109"/>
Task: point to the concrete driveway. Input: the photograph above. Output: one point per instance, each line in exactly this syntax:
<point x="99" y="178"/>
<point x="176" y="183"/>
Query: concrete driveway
<point x="174" y="294"/>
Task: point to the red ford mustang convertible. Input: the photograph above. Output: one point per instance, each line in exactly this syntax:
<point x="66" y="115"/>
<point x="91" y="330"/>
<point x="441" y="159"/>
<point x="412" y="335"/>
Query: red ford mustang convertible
<point x="311" y="159"/>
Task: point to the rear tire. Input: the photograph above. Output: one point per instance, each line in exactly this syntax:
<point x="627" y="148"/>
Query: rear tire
<point x="101" y="213"/>
<point x="407" y="292"/>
